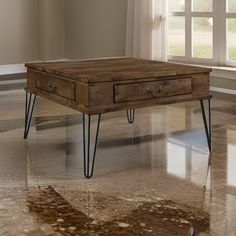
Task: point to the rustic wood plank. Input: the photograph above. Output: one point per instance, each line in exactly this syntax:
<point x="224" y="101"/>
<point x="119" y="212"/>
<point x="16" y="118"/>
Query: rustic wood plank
<point x="96" y="71"/>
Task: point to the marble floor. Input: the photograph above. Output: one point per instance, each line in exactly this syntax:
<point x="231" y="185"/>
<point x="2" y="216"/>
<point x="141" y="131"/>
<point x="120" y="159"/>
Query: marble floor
<point x="154" y="177"/>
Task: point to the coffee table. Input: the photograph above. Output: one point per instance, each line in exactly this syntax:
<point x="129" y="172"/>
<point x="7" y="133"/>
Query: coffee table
<point x="95" y="87"/>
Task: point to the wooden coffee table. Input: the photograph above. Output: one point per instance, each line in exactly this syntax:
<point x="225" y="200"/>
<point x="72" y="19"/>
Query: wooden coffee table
<point x="94" y="87"/>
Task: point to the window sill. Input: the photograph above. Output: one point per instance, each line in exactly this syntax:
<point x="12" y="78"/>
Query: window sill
<point x="224" y="72"/>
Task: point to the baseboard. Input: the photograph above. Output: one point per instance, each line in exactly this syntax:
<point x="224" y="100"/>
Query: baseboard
<point x="18" y="76"/>
<point x="12" y="81"/>
<point x="12" y="69"/>
<point x="224" y="90"/>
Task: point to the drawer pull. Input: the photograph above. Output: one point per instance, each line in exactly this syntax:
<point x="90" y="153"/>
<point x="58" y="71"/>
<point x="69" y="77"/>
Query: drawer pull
<point x="52" y="87"/>
<point x="156" y="93"/>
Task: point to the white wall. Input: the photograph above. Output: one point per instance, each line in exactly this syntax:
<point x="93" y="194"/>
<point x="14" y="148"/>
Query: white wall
<point x="51" y="29"/>
<point x="18" y="31"/>
<point x="31" y="30"/>
<point x="55" y="29"/>
<point x="95" y="28"/>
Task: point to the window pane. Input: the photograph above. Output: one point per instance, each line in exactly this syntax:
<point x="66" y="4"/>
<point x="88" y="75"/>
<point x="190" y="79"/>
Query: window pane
<point x="202" y="5"/>
<point x="176" y="5"/>
<point x="202" y="37"/>
<point x="231" y="6"/>
<point x="176" y="35"/>
<point x="231" y="39"/>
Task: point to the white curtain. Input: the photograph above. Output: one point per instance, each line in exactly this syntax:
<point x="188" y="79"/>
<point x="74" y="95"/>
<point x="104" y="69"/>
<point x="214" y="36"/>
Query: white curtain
<point x="146" y="29"/>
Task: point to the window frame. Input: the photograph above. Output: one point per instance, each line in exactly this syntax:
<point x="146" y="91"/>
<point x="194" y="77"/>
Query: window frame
<point x="219" y="15"/>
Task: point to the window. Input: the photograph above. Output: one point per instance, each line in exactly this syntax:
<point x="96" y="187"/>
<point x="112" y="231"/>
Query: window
<point x="202" y="31"/>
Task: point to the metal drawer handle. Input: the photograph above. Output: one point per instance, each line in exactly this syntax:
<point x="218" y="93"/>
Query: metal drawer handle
<point x="52" y="87"/>
<point x="156" y="93"/>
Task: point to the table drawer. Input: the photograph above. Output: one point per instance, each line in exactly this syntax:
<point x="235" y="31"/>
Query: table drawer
<point x="152" y="90"/>
<point x="56" y="85"/>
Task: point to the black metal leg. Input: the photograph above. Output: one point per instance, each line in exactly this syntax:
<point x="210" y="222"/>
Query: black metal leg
<point x="208" y="170"/>
<point x="207" y="126"/>
<point x="130" y="116"/>
<point x="29" y="108"/>
<point x="87" y="145"/>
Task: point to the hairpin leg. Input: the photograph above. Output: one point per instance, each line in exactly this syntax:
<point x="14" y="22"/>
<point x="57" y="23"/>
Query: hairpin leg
<point x="29" y="108"/>
<point x="130" y="116"/>
<point x="207" y="126"/>
<point x="208" y="170"/>
<point x="87" y="146"/>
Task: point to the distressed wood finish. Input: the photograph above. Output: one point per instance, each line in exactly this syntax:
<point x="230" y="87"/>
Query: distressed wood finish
<point x="105" y="85"/>
<point x="151" y="90"/>
<point x="56" y="85"/>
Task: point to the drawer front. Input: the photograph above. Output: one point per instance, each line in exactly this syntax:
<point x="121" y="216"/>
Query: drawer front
<point x="56" y="85"/>
<point x="152" y="90"/>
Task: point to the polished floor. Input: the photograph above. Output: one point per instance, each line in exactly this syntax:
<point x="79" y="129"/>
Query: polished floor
<point x="154" y="177"/>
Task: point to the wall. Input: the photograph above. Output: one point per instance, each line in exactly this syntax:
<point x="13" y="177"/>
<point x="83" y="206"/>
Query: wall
<point x="51" y="29"/>
<point x="31" y="30"/>
<point x="18" y="27"/>
<point x="224" y="79"/>
<point x="95" y="28"/>
<point x="55" y="29"/>
<point x="223" y="83"/>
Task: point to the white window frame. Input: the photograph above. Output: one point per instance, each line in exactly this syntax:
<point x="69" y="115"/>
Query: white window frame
<point x="228" y="15"/>
<point x="219" y="17"/>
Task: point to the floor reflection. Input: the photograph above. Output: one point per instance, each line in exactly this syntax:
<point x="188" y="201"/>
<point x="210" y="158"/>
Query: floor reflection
<point x="189" y="162"/>
<point x="154" y="177"/>
<point x="176" y="160"/>
<point x="231" y="158"/>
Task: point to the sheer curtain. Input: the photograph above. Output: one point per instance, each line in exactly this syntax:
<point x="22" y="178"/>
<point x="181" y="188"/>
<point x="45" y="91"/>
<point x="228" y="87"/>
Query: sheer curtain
<point x="146" y="29"/>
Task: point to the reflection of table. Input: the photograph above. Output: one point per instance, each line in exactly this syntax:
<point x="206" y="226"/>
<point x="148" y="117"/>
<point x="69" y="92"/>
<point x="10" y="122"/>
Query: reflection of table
<point x="94" y="87"/>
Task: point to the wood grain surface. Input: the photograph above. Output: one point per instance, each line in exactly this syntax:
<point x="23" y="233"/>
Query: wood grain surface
<point x="105" y="85"/>
<point x="114" y="69"/>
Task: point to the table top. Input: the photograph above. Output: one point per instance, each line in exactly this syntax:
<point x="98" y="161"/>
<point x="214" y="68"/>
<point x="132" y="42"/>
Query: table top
<point x="116" y="69"/>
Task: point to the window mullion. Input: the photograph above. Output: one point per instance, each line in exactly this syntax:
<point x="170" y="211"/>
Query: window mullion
<point x="188" y="29"/>
<point x="201" y="14"/>
<point x="177" y="14"/>
<point x="231" y="15"/>
<point x="216" y="36"/>
<point x="221" y="31"/>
